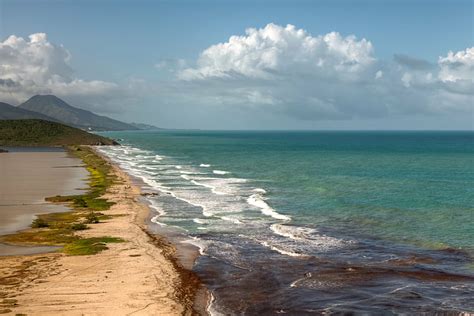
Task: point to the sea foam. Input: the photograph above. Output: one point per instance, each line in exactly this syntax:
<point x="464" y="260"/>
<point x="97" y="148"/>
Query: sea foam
<point x="308" y="238"/>
<point x="220" y="172"/>
<point x="259" y="201"/>
<point x="293" y="232"/>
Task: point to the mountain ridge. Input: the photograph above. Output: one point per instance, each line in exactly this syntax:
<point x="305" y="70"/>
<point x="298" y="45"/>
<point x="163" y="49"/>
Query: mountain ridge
<point x="10" y="112"/>
<point x="145" y="127"/>
<point x="57" y="109"/>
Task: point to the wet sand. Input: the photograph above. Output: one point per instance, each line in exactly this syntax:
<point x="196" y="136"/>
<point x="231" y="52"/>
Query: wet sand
<point x="26" y="178"/>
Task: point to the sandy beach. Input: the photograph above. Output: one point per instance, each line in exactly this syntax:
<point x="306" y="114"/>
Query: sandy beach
<point x="137" y="277"/>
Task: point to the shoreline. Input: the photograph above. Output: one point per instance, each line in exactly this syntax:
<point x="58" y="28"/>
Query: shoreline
<point x="192" y="288"/>
<point x="140" y="275"/>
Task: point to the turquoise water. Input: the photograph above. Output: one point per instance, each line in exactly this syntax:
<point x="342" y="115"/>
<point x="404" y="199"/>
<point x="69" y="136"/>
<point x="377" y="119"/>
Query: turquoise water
<point x="333" y="195"/>
<point x="415" y="187"/>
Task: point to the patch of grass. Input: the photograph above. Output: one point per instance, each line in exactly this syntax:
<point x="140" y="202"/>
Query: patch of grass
<point x="92" y="218"/>
<point x="63" y="217"/>
<point x="39" y="223"/>
<point x="89" y="246"/>
<point x="43" y="236"/>
<point x="79" y="226"/>
<point x="100" y="179"/>
<point x="104" y="217"/>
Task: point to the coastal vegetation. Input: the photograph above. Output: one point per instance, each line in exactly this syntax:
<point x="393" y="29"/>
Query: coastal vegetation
<point x="60" y="229"/>
<point x="45" y="133"/>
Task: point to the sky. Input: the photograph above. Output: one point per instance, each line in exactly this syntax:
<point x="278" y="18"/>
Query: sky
<point x="247" y="64"/>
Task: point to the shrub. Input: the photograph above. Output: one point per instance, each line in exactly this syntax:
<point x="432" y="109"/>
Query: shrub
<point x="92" y="218"/>
<point x="80" y="202"/>
<point x="79" y="226"/>
<point x="39" y="223"/>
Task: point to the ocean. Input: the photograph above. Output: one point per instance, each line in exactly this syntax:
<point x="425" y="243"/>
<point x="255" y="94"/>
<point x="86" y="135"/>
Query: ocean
<point x="313" y="222"/>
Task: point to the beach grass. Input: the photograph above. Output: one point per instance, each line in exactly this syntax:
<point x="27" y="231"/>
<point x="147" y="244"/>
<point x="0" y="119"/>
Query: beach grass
<point x="99" y="180"/>
<point x="89" y="246"/>
<point x="59" y="229"/>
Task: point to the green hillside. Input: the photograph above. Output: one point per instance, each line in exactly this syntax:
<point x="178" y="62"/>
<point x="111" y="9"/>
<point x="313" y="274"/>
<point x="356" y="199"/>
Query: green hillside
<point x="44" y="133"/>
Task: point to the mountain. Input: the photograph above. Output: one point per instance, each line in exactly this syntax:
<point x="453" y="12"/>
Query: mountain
<point x="59" y="110"/>
<point x="10" y="112"/>
<point x="145" y="127"/>
<point x="45" y="133"/>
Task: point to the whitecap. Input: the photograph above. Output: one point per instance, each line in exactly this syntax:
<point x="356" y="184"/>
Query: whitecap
<point x="198" y="221"/>
<point x="197" y="242"/>
<point x="308" y="238"/>
<point x="293" y="232"/>
<point x="155" y="220"/>
<point x="157" y="208"/>
<point x="231" y="219"/>
<point x="151" y="168"/>
<point x="259" y="201"/>
<point x="220" y="172"/>
<point x="282" y="251"/>
<point x="213" y="188"/>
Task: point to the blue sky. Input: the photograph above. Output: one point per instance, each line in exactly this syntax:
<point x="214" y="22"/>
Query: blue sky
<point x="120" y="41"/>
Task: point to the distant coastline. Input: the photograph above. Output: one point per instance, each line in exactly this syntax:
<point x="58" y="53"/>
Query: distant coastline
<point x="53" y="109"/>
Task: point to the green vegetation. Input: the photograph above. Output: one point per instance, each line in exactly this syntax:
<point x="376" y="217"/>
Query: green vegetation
<point x="100" y="179"/>
<point x="39" y="223"/>
<point x="92" y="218"/>
<point x="43" y="236"/>
<point x="79" y="226"/>
<point x="58" y="229"/>
<point x="89" y="246"/>
<point x="33" y="132"/>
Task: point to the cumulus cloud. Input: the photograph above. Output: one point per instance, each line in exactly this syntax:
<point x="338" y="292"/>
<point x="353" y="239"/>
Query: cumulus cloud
<point x="287" y="70"/>
<point x="457" y="66"/>
<point x="36" y="66"/>
<point x="275" y="50"/>
<point x="282" y="70"/>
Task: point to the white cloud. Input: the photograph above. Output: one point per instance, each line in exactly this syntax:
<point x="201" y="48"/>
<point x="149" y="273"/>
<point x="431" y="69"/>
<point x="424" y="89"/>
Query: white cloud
<point x="289" y="71"/>
<point x="275" y="50"/>
<point x="457" y="66"/>
<point x="281" y="70"/>
<point x="35" y="65"/>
